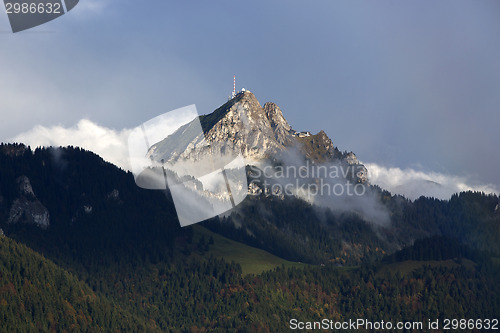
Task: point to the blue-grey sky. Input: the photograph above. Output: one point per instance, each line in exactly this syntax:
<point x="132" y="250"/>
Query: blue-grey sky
<point x="408" y="84"/>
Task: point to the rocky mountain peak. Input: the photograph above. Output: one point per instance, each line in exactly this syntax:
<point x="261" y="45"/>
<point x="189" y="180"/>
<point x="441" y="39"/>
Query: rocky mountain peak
<point x="242" y="126"/>
<point x="239" y="126"/>
<point x="246" y="128"/>
<point x="248" y="100"/>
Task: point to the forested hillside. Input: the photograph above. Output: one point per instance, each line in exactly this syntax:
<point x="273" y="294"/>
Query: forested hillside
<point x="113" y="257"/>
<point x="199" y="293"/>
<point x="37" y="295"/>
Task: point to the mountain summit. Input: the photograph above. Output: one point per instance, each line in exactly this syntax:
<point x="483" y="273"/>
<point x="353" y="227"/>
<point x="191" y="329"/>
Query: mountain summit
<point x="240" y="125"/>
<point x="243" y="126"/>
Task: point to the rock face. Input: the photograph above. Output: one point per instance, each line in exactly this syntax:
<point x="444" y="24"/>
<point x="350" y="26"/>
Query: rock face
<point x="361" y="171"/>
<point x="27" y="208"/>
<point x="25" y="188"/>
<point x="282" y="131"/>
<point x="239" y="126"/>
<point x="243" y="126"/>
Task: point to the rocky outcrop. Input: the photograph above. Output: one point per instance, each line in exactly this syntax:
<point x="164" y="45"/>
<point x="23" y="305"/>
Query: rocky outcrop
<point x="352" y="159"/>
<point x="283" y="133"/>
<point x="27" y="208"/>
<point x="88" y="209"/>
<point x="361" y="174"/>
<point x="360" y="170"/>
<point x="254" y="189"/>
<point x="318" y="148"/>
<point x="114" y="195"/>
<point x="25" y="188"/>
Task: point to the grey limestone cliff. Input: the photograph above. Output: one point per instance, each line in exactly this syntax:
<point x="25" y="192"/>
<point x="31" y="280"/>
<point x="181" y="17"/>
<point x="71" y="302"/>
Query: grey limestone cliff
<point x="27" y="208"/>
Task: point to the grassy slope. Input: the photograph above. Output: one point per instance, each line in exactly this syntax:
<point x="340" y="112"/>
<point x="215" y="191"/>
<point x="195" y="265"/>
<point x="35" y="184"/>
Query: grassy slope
<point x="251" y="259"/>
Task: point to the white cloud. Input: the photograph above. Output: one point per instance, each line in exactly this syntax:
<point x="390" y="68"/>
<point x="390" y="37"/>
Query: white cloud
<point x="413" y="184"/>
<point x="107" y="143"/>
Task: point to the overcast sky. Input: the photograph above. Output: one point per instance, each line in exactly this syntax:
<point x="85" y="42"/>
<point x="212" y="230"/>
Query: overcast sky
<point x="404" y="84"/>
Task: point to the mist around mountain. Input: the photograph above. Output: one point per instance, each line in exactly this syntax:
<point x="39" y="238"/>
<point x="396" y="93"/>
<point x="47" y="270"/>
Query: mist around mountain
<point x="282" y="161"/>
<point x="120" y="260"/>
<point x="111" y="144"/>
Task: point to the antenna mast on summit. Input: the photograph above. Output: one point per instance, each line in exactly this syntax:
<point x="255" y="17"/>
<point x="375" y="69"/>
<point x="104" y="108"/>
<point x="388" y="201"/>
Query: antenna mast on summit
<point x="234" y="87"/>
